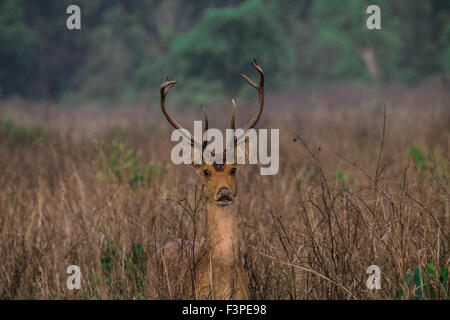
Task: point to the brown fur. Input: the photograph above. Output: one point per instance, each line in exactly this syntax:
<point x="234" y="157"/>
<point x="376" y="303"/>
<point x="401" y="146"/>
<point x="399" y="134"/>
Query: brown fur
<point x="221" y="274"/>
<point x="224" y="277"/>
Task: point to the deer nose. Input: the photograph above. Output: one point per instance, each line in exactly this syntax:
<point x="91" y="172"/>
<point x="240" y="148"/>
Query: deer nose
<point x="224" y="192"/>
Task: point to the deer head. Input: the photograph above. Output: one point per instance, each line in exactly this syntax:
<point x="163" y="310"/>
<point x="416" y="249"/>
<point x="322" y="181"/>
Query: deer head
<point x="219" y="180"/>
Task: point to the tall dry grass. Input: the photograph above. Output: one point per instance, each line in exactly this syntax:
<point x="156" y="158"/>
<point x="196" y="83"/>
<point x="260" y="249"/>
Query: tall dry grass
<point x="356" y="187"/>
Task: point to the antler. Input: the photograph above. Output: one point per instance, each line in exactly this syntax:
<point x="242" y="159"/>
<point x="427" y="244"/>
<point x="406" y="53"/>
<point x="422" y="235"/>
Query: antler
<point x="233" y="115"/>
<point x="165" y="87"/>
<point x="205" y="128"/>
<point x="260" y="89"/>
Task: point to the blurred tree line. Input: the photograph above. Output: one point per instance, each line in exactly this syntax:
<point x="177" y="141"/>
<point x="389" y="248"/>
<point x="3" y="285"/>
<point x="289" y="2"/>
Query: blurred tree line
<point x="126" y="47"/>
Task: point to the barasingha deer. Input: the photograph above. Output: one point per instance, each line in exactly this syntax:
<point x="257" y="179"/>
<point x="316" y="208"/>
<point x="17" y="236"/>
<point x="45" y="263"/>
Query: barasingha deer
<point x="221" y="273"/>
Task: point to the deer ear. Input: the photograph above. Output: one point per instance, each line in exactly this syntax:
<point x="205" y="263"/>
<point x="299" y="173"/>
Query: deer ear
<point x="199" y="168"/>
<point x="196" y="166"/>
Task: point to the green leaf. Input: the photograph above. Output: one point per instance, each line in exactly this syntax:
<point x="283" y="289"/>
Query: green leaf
<point x="418" y="157"/>
<point x="430" y="268"/>
<point x="417" y="277"/>
<point x="443" y="277"/>
<point x="408" y="278"/>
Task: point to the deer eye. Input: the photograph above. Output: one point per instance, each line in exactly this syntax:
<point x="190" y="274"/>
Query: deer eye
<point x="233" y="171"/>
<point x="206" y="172"/>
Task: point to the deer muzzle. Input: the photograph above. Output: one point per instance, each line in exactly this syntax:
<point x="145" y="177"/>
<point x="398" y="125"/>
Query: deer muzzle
<point x="224" y="197"/>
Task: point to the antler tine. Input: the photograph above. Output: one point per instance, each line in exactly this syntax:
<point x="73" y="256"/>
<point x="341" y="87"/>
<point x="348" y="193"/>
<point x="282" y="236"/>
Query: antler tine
<point x="205" y="120"/>
<point x="205" y="128"/>
<point x="164" y="89"/>
<point x="260" y="88"/>
<point x="233" y="115"/>
<point x="250" y="82"/>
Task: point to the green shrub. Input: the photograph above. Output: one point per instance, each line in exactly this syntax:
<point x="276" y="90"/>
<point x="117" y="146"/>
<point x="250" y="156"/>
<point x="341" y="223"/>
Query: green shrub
<point x="426" y="282"/>
<point x="223" y="44"/>
<point x="125" y="165"/>
<point x="418" y="157"/>
<point x="133" y="264"/>
<point x="342" y="179"/>
<point x="17" y="133"/>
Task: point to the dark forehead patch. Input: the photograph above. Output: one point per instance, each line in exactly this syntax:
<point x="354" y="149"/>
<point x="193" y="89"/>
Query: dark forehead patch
<point x="219" y="167"/>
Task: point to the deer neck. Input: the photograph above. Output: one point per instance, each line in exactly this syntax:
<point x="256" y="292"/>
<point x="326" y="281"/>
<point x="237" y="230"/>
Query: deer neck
<point x="222" y="235"/>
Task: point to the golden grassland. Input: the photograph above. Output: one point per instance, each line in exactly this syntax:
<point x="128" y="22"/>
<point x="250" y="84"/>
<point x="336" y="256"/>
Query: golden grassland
<point x="357" y="186"/>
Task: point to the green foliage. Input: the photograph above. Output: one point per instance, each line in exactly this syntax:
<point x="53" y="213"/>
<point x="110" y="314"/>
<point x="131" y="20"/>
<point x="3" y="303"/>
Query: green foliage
<point x="17" y="133"/>
<point x="16" y="43"/>
<point x="223" y="43"/>
<point x="109" y="255"/>
<point x="404" y="49"/>
<point x="310" y="175"/>
<point x="125" y="48"/>
<point x="445" y="56"/>
<point x="120" y="53"/>
<point x="418" y="157"/>
<point x="426" y="282"/>
<point x="196" y="92"/>
<point x="342" y="179"/>
<point x="432" y="165"/>
<point x="132" y="263"/>
<point x="125" y="165"/>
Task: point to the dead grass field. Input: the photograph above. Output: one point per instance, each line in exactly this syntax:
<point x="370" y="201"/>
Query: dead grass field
<point x="345" y="198"/>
